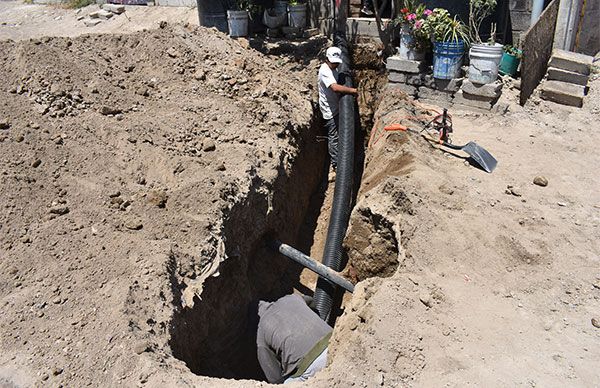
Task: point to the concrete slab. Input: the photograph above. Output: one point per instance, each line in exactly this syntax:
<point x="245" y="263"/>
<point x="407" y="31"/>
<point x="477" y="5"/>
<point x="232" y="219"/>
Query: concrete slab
<point x="570" y="61"/>
<point x="563" y="93"/>
<point x="567" y="76"/>
<point x="489" y="91"/>
<point x="473" y="100"/>
<point x="396" y="63"/>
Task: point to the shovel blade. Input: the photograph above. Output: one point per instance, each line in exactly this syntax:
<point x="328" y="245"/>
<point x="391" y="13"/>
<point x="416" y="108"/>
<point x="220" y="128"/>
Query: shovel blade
<point x="480" y="156"/>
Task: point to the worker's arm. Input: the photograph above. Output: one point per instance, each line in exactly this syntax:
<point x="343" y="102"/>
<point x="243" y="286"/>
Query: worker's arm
<point x="270" y="365"/>
<point x="343" y="89"/>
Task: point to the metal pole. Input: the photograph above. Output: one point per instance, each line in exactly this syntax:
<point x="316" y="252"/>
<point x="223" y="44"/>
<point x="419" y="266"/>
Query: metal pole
<point x="313" y="265"/>
<point x="536" y="11"/>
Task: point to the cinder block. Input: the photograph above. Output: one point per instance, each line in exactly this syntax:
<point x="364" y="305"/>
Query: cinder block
<point x="114" y="8"/>
<point x="396" y="63"/>
<point x="471" y="100"/>
<point x="408" y="89"/>
<point x="567" y="76"/>
<point x="396" y="77"/>
<point x="433" y="94"/>
<point x="448" y="85"/>
<point x="101" y="14"/>
<point x="563" y="93"/>
<point x="492" y="90"/>
<point x="570" y="61"/>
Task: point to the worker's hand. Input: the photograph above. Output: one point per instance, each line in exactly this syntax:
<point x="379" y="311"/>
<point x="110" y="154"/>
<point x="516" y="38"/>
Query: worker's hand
<point x="355" y="91"/>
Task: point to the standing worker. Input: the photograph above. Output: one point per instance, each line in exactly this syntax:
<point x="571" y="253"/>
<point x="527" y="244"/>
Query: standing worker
<point x="329" y="100"/>
<point x="291" y="340"/>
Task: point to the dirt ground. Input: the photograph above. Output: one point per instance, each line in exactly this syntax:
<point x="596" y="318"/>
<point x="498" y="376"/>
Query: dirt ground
<point x="140" y="172"/>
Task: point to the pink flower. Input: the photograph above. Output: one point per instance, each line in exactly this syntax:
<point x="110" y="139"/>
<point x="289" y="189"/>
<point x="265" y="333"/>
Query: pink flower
<point x="411" y="16"/>
<point x="427" y="12"/>
<point x="419" y="24"/>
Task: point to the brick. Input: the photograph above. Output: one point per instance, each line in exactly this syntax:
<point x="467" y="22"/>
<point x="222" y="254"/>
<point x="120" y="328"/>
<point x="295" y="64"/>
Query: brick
<point x="567" y="76"/>
<point x="563" y="93"/>
<point x="92" y="22"/>
<point x="114" y="8"/>
<point x="472" y="100"/>
<point x="433" y="94"/>
<point x="448" y="85"/>
<point x="489" y="91"/>
<point x="397" y="77"/>
<point x="570" y="61"/>
<point x="395" y="63"/>
<point x="408" y="89"/>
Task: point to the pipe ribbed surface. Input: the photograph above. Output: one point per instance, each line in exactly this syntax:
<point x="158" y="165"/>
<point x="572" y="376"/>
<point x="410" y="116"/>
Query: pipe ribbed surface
<point x="342" y="196"/>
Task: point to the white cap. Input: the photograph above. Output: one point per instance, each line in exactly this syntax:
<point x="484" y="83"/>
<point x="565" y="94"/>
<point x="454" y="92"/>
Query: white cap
<point x="334" y="55"/>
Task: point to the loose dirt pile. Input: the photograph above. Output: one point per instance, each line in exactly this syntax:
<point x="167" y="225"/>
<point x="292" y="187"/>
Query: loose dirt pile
<point x="131" y="167"/>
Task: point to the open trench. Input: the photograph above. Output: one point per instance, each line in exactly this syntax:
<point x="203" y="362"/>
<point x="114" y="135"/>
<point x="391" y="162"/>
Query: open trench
<point x="216" y="337"/>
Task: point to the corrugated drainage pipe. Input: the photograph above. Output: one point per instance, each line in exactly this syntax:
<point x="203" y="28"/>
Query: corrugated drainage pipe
<point x="342" y="196"/>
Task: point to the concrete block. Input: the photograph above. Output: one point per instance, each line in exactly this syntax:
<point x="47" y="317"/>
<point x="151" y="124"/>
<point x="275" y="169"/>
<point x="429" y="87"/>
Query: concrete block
<point x="408" y="89"/>
<point x="92" y="22"/>
<point x="415" y="79"/>
<point x="433" y="94"/>
<point x="563" y="93"/>
<point x="447" y="85"/>
<point x="567" y="76"/>
<point x="570" y="61"/>
<point x="101" y="14"/>
<point x="396" y="77"/>
<point x="471" y="100"/>
<point x="114" y="8"/>
<point x="492" y="90"/>
<point x="395" y="63"/>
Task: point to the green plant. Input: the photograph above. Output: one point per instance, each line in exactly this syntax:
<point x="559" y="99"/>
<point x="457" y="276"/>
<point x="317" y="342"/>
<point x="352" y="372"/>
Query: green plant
<point x="512" y="50"/>
<point x="293" y="2"/>
<point x="245" y="5"/>
<point x="478" y="11"/>
<point x="441" y="27"/>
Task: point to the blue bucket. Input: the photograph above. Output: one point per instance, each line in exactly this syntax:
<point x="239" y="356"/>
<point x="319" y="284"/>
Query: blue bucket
<point x="447" y="59"/>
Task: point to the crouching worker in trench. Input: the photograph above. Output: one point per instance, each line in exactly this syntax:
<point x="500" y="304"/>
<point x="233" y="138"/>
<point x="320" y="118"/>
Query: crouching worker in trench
<point x="329" y="91"/>
<point x="291" y="340"/>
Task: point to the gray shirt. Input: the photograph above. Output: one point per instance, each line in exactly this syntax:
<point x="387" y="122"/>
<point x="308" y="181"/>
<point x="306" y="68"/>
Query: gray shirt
<point x="287" y="330"/>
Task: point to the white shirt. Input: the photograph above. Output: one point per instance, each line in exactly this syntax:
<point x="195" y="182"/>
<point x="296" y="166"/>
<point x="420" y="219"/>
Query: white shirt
<point x="328" y="99"/>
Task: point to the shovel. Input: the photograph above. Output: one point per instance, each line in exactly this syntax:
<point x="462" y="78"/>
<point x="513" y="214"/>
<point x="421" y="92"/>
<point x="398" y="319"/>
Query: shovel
<point x="474" y="150"/>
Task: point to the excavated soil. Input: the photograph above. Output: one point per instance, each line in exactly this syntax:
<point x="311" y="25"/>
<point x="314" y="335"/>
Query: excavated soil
<point x="140" y="175"/>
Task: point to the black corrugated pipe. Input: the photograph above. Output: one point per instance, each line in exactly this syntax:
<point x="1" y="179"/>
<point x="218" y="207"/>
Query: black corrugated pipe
<point x="342" y="196"/>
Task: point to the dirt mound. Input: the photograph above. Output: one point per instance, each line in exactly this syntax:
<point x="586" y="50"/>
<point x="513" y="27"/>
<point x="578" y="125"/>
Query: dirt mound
<point x="131" y="166"/>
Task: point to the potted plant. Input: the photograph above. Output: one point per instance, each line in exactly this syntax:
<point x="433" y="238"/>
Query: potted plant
<point x="414" y="40"/>
<point x="296" y="14"/>
<point x="510" y="60"/>
<point x="449" y="36"/>
<point x="237" y="17"/>
<point x="484" y="58"/>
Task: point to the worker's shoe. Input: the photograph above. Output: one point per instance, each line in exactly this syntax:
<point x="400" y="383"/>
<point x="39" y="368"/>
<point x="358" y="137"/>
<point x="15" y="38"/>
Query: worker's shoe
<point x="366" y="11"/>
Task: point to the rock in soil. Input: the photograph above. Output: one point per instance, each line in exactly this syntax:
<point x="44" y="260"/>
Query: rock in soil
<point x="540" y="181"/>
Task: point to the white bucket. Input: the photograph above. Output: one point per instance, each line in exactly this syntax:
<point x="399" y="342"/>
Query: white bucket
<point x="484" y="61"/>
<point x="272" y="19"/>
<point x="238" y="23"/>
<point x="297" y="15"/>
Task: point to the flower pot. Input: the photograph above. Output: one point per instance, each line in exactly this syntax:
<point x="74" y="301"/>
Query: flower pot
<point x="484" y="60"/>
<point x="273" y="20"/>
<point x="406" y="49"/>
<point x="297" y="16"/>
<point x="447" y="59"/>
<point x="238" y="23"/>
<point x="509" y="64"/>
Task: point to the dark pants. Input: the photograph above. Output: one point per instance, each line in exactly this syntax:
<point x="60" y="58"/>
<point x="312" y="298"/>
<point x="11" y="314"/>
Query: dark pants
<point x="332" y="139"/>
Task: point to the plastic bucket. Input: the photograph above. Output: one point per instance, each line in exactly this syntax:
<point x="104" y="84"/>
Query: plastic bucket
<point x="447" y="59"/>
<point x="297" y="15"/>
<point x="238" y="23"/>
<point x="406" y="42"/>
<point x="509" y="64"/>
<point x="483" y="63"/>
<point x="273" y="20"/>
<point x="212" y="14"/>
<point x="280" y="7"/>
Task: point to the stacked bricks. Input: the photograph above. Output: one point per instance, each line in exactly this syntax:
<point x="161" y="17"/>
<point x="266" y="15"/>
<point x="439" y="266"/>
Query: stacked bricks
<point x="415" y="79"/>
<point x="567" y="78"/>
